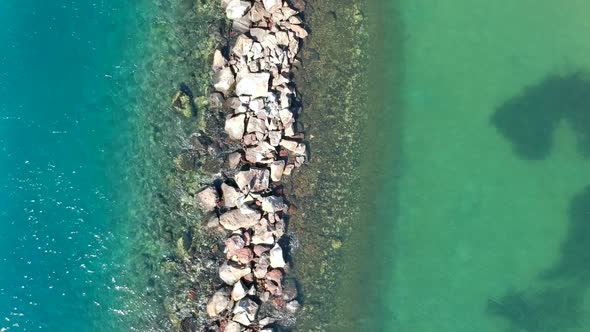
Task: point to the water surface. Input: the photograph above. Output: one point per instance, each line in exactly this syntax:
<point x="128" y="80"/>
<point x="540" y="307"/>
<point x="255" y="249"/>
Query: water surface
<point x="481" y="199"/>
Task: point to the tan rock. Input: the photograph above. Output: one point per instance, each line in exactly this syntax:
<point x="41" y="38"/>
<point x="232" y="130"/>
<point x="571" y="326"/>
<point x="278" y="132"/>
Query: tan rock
<point x="234" y="220"/>
<point x="295" y="147"/>
<point x="231" y="274"/>
<point x="276" y="170"/>
<point x="231" y="197"/>
<point x="218" y="303"/>
<point x="207" y="199"/>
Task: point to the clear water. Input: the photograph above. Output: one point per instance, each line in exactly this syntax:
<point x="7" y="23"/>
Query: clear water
<point x="67" y="69"/>
<point x="484" y="212"/>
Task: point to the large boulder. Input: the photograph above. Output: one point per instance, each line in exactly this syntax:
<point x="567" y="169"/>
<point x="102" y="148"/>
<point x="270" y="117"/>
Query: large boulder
<point x="223" y="80"/>
<point x="252" y="84"/>
<point x="236" y="9"/>
<point x="234" y="220"/>
<point x="254" y="179"/>
<point x="235" y="127"/>
<point x="207" y="199"/>
<point x="231" y="274"/>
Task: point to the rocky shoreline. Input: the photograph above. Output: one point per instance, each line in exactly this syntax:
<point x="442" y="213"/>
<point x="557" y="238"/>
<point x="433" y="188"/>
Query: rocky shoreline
<point x="245" y="204"/>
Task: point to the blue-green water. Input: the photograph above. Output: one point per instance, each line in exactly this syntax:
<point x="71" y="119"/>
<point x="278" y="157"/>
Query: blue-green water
<point x="480" y="206"/>
<point x="60" y="134"/>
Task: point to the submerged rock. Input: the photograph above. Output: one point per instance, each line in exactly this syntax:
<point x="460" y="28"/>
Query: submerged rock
<point x="181" y="102"/>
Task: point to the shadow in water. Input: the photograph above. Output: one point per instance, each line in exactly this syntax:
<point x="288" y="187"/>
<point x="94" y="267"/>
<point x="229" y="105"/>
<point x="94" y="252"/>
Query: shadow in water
<point x="556" y="302"/>
<point x="529" y="119"/>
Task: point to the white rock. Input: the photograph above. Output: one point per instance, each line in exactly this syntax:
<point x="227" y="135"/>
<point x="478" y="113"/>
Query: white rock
<point x="218" y="303"/>
<point x="231" y="197"/>
<point x="252" y="84"/>
<point x="234" y="127"/>
<point x="239" y="291"/>
<point x="235" y="219"/>
<point x="223" y="80"/>
<point x="231" y="274"/>
<point x="207" y="199"/>
<point x="276" y="170"/>
<point x="236" y="9"/>
<point x="272" y="5"/>
<point x="276" y="257"/>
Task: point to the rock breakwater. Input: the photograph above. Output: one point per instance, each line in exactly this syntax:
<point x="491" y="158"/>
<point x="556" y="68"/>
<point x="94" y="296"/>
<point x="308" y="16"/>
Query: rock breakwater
<point x="253" y="84"/>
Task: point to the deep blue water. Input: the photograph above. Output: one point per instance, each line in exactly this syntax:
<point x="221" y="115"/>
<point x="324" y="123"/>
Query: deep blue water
<point x="62" y="152"/>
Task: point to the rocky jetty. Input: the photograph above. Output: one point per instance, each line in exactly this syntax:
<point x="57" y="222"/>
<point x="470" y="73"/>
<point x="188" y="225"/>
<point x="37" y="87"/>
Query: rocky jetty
<point x="253" y="84"/>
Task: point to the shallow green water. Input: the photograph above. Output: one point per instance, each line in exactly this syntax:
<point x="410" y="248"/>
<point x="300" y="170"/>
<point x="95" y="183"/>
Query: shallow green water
<point x="485" y="216"/>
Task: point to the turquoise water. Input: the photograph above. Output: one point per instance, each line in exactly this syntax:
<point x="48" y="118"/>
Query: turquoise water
<point x="66" y="123"/>
<point x="483" y="206"/>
